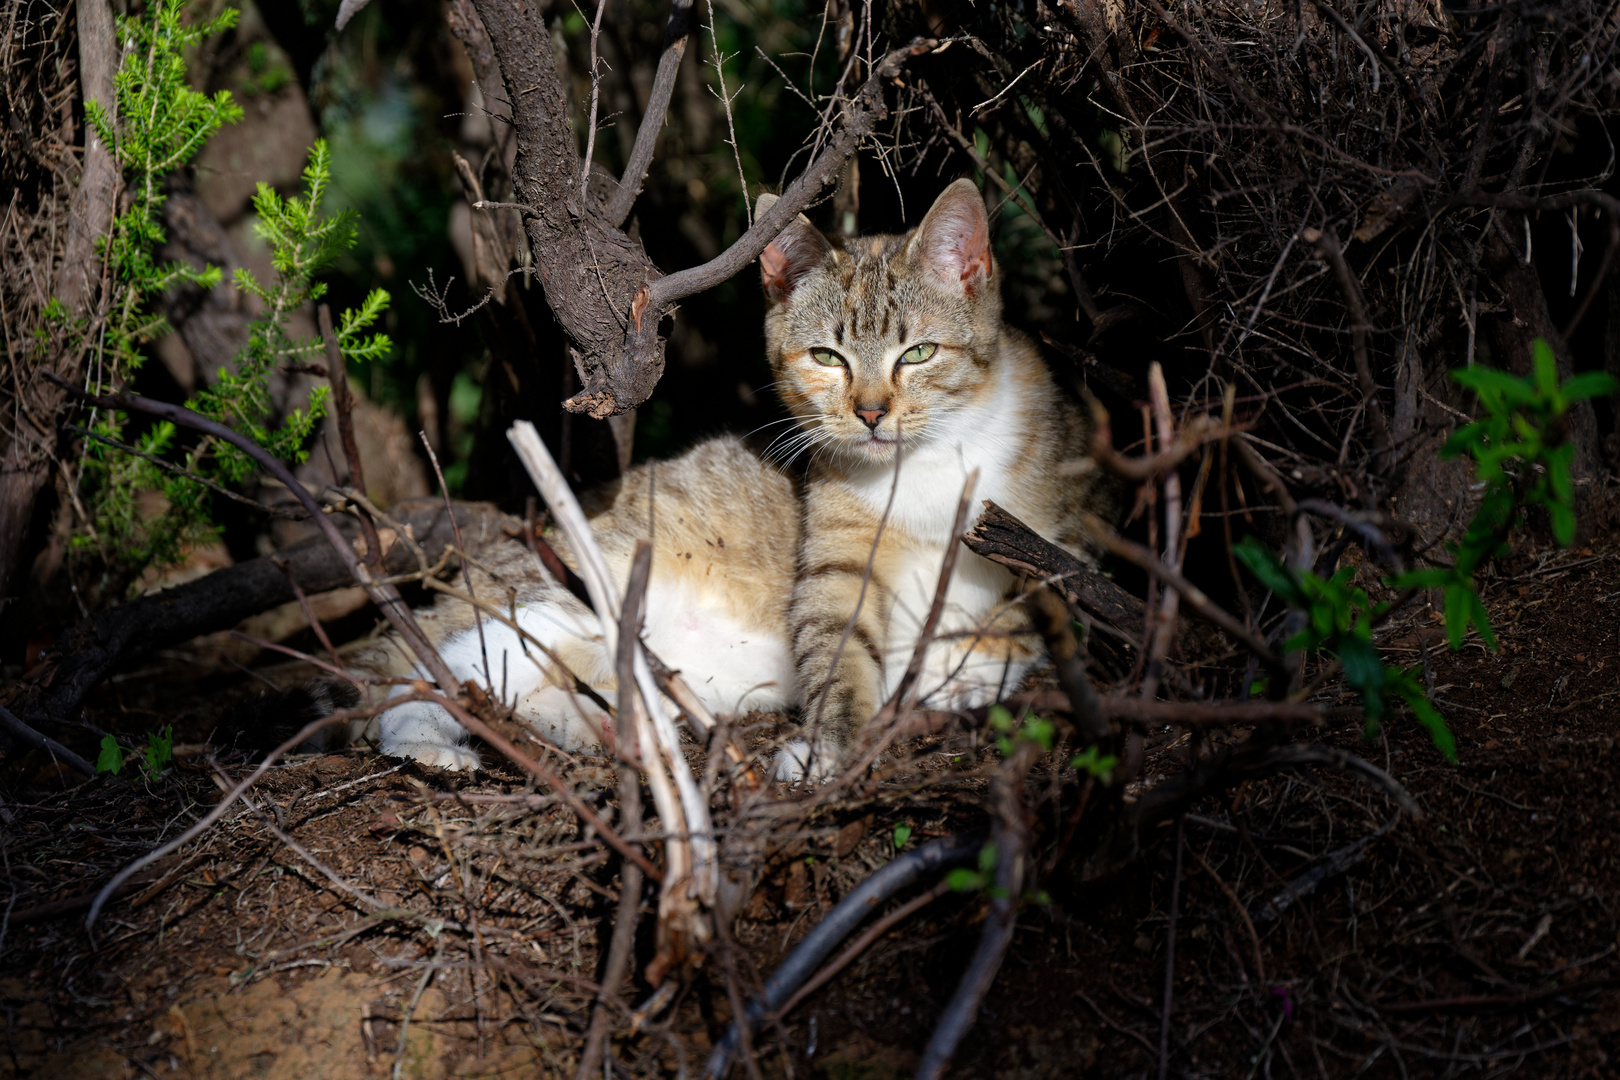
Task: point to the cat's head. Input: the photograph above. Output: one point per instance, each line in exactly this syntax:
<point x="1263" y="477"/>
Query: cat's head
<point x="882" y="337"/>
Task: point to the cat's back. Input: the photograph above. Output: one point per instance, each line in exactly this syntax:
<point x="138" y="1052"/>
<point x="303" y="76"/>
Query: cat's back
<point x="724" y="524"/>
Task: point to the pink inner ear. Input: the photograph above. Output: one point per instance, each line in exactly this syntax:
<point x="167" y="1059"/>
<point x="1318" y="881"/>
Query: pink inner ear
<point x="773" y="268"/>
<point x="956" y="241"/>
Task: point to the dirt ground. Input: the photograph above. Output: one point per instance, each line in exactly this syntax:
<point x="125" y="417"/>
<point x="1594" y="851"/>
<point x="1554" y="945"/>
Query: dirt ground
<point x="1317" y="933"/>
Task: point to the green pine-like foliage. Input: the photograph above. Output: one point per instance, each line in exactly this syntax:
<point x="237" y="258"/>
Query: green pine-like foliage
<point x="161" y="125"/>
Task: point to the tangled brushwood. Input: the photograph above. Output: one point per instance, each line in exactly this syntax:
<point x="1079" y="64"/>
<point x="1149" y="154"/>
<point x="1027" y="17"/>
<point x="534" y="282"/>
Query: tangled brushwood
<point x="1338" y="282"/>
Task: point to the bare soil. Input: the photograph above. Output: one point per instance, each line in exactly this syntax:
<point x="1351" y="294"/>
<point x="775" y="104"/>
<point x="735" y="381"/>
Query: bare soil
<point x="1316" y="932"/>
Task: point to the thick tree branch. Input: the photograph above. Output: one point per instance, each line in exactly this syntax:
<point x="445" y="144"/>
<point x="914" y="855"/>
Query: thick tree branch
<point x="602" y="287"/>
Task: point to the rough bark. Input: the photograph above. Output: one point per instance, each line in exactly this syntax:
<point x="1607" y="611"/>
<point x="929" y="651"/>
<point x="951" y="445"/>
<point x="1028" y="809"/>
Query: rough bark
<point x="25" y="462"/>
<point x="1002" y="538"/>
<point x="591" y="271"/>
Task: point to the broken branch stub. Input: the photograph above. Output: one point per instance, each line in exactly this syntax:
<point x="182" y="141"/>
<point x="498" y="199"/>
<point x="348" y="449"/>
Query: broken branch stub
<point x="605" y="292"/>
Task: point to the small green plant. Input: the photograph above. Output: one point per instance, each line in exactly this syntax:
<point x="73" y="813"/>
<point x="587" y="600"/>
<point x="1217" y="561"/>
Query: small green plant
<point x="1010" y="733"/>
<point x="902" y="833"/>
<point x="1339" y="620"/>
<point x="1095" y="764"/>
<point x="154" y="757"/>
<point x="162" y="123"/>
<point x="1522" y="459"/>
<point x="964" y="879"/>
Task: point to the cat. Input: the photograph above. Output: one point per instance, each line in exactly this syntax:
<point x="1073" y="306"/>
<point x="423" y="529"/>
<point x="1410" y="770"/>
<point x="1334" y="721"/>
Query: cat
<point x="766" y="596"/>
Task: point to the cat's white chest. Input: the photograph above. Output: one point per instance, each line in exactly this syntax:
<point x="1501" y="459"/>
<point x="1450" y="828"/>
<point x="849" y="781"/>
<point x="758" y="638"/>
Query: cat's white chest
<point x="986" y="437"/>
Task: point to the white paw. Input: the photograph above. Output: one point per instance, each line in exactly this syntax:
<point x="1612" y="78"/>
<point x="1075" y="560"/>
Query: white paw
<point x="800" y="763"/>
<point x="963" y="693"/>
<point x="437" y="755"/>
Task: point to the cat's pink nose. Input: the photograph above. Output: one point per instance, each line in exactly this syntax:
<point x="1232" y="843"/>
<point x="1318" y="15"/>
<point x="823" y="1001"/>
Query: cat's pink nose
<point x="871" y="415"/>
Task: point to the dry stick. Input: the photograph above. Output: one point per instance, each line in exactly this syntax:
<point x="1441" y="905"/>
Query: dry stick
<point x="218" y="809"/>
<point x="19" y="730"/>
<point x="860" y="945"/>
<point x="410" y="1010"/>
<point x="624" y="920"/>
<point x="343" y="402"/>
<point x="652" y="121"/>
<point x="731" y="126"/>
<point x="1165" y="630"/>
<point x="860" y="115"/>
<point x="1242" y="914"/>
<point x="682" y="695"/>
<point x="466" y="571"/>
<point x="1201" y="604"/>
<point x="590" y="126"/>
<point x="545" y="776"/>
<point x="1327" y="247"/>
<point x="899" y="873"/>
<point x="1196" y="434"/>
<point x="1011" y="838"/>
<point x="1051" y="618"/>
<point x="1170" y="956"/>
<point x="309" y="614"/>
<point x="693" y="879"/>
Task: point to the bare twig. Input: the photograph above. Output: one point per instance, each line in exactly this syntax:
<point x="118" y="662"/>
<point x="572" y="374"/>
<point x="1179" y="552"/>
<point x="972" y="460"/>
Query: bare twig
<point x="652" y="121"/>
<point x="1170" y="954"/>
<point x="1164" y="629"/>
<point x="466" y="571"/>
<point x="169" y="466"/>
<point x="899" y="873"/>
<point x="1327" y="247"/>
<point x="19" y="730"/>
<point x="861" y="944"/>
<point x="1192" y="594"/>
<point x="1010" y="835"/>
<point x="905" y="689"/>
<point x="596" y="87"/>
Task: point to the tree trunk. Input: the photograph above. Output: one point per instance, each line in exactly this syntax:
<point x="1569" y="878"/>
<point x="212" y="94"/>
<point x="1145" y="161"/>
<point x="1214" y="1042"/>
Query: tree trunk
<point x="25" y="461"/>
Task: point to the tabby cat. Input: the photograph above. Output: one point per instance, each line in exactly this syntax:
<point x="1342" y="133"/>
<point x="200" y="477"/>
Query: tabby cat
<point x="767" y="596"/>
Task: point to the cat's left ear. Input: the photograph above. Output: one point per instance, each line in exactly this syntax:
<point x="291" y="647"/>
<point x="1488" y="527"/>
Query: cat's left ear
<point x="796" y="251"/>
<point x="953" y="241"/>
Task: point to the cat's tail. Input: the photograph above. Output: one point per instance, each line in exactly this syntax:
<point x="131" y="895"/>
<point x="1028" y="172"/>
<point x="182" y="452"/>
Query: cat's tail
<point x="265" y="722"/>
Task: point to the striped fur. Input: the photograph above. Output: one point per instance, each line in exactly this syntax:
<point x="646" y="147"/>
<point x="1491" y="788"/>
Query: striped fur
<point x="982" y="399"/>
<point x="765" y="599"/>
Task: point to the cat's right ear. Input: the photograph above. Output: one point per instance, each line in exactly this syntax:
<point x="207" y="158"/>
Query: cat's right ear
<point x="796" y="251"/>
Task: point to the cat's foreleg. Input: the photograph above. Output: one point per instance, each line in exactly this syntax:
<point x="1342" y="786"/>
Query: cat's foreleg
<point x="837" y="623"/>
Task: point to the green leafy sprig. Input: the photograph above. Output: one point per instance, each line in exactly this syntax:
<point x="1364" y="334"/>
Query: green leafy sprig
<point x="1522" y="458"/>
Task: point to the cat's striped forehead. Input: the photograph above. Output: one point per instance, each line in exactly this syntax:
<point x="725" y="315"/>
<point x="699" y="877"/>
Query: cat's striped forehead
<point x="868" y="290"/>
<point x="871" y="273"/>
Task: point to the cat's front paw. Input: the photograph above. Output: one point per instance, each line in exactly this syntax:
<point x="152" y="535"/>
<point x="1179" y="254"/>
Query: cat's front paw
<point x="801" y="762"/>
<point x="963" y="693"/>
<point x="437" y="755"/>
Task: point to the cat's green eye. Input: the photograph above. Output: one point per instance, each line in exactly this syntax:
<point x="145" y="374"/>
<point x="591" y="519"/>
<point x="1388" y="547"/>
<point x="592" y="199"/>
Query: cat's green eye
<point x="918" y="353"/>
<point x="827" y="357"/>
